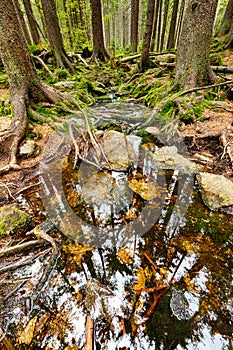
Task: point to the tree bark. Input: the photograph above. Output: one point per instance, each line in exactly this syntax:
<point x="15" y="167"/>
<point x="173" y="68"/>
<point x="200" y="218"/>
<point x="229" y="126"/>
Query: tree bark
<point x="227" y="19"/>
<point x="134" y="25"/>
<point x="54" y="35"/>
<point x="32" y="22"/>
<point x="172" y="30"/>
<point x="22" y="23"/>
<point x="192" y="63"/>
<point x="145" y="58"/>
<point x="25" y="86"/>
<point x="99" y="50"/>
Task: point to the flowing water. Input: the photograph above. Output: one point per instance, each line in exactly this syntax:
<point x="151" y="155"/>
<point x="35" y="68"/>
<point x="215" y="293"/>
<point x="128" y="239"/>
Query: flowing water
<point x="145" y="266"/>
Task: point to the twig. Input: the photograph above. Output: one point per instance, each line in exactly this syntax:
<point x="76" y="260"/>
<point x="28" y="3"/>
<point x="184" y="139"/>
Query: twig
<point x="151" y="261"/>
<point x="13" y="249"/>
<point x="44" y="65"/>
<point x="6" y="342"/>
<point x="27" y="188"/>
<point x="89" y="333"/>
<point x="150" y="310"/>
<point x="22" y="263"/>
<point x="8" y="190"/>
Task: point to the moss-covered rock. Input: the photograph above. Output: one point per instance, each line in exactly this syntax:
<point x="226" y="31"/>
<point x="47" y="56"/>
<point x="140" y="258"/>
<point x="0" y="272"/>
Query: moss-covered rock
<point x="12" y="219"/>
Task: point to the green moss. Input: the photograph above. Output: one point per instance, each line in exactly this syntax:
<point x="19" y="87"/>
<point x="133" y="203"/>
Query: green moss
<point x="12" y="219"/>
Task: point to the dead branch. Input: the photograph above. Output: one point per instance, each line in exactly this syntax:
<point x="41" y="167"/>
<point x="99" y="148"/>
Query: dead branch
<point x="24" y="262"/>
<point x="89" y="333"/>
<point x="6" y="342"/>
<point x="18" y="247"/>
<point x="81" y="59"/>
<point x="52" y="75"/>
<point x="227" y="145"/>
<point x="38" y="232"/>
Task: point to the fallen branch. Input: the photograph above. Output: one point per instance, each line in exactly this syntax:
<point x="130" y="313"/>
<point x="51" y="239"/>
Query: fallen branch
<point x="89" y="333"/>
<point x="18" y="247"/>
<point x="52" y="75"/>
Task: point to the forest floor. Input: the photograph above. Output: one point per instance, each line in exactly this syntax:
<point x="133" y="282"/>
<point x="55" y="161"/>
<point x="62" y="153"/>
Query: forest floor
<point x="209" y="136"/>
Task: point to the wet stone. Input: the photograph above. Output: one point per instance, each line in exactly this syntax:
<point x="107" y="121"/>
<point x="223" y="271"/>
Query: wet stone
<point x="216" y="190"/>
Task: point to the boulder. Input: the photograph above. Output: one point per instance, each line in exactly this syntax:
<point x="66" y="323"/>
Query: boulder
<point x="167" y="157"/>
<point x="118" y="150"/>
<point x="216" y="190"/>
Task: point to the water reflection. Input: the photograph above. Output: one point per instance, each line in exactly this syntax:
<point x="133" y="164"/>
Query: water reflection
<point x="168" y="288"/>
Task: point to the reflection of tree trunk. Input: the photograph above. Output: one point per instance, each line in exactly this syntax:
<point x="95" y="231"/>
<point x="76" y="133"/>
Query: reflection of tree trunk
<point x="54" y="34"/>
<point x="32" y="22"/>
<point x="22" y="23"/>
<point x="192" y="62"/>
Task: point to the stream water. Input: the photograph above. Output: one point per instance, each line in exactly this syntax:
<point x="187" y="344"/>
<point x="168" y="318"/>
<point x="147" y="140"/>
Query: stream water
<point x="138" y="252"/>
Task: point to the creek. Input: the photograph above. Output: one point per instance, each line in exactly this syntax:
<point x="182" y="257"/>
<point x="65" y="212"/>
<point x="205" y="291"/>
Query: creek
<point x="140" y="261"/>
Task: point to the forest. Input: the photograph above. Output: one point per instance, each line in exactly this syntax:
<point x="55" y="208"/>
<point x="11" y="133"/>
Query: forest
<point x="116" y="174"/>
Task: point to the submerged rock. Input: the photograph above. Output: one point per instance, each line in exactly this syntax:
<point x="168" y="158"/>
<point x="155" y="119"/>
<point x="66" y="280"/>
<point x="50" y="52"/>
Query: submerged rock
<point x="216" y="190"/>
<point x="118" y="150"/>
<point x="12" y="219"/>
<point x="167" y="157"/>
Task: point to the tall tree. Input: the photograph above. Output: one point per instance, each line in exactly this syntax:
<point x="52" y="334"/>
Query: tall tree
<point x="99" y="50"/>
<point x="227" y="19"/>
<point x="192" y="59"/>
<point x="172" y="30"/>
<point x="22" y="23"/>
<point x="134" y="25"/>
<point x="54" y="34"/>
<point x="145" y="58"/>
<point x="32" y="22"/>
<point x="165" y="15"/>
<point x="26" y="87"/>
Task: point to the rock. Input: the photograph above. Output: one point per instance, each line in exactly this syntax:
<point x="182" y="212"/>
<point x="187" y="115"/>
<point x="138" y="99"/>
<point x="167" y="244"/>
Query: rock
<point x="65" y="84"/>
<point x="216" y="190"/>
<point x="28" y="148"/>
<point x="146" y="189"/>
<point x="153" y="130"/>
<point x="168" y="58"/>
<point x="118" y="150"/>
<point x="12" y="219"/>
<point x="167" y="157"/>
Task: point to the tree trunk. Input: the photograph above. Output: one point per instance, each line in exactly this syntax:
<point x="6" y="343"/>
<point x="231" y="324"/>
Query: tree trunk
<point x="22" y="23"/>
<point x="25" y="85"/>
<point x="99" y="50"/>
<point x="165" y="14"/>
<point x="227" y="19"/>
<point x="192" y="61"/>
<point x="145" y="58"/>
<point x="155" y="25"/>
<point x="54" y="35"/>
<point x="134" y="25"/>
<point x="229" y="43"/>
<point x="171" y="36"/>
<point x="32" y="22"/>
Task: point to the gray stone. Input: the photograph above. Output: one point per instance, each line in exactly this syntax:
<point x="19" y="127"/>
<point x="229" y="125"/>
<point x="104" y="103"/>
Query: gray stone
<point x="216" y="190"/>
<point x="118" y="150"/>
<point x="167" y="157"/>
<point x="28" y="148"/>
